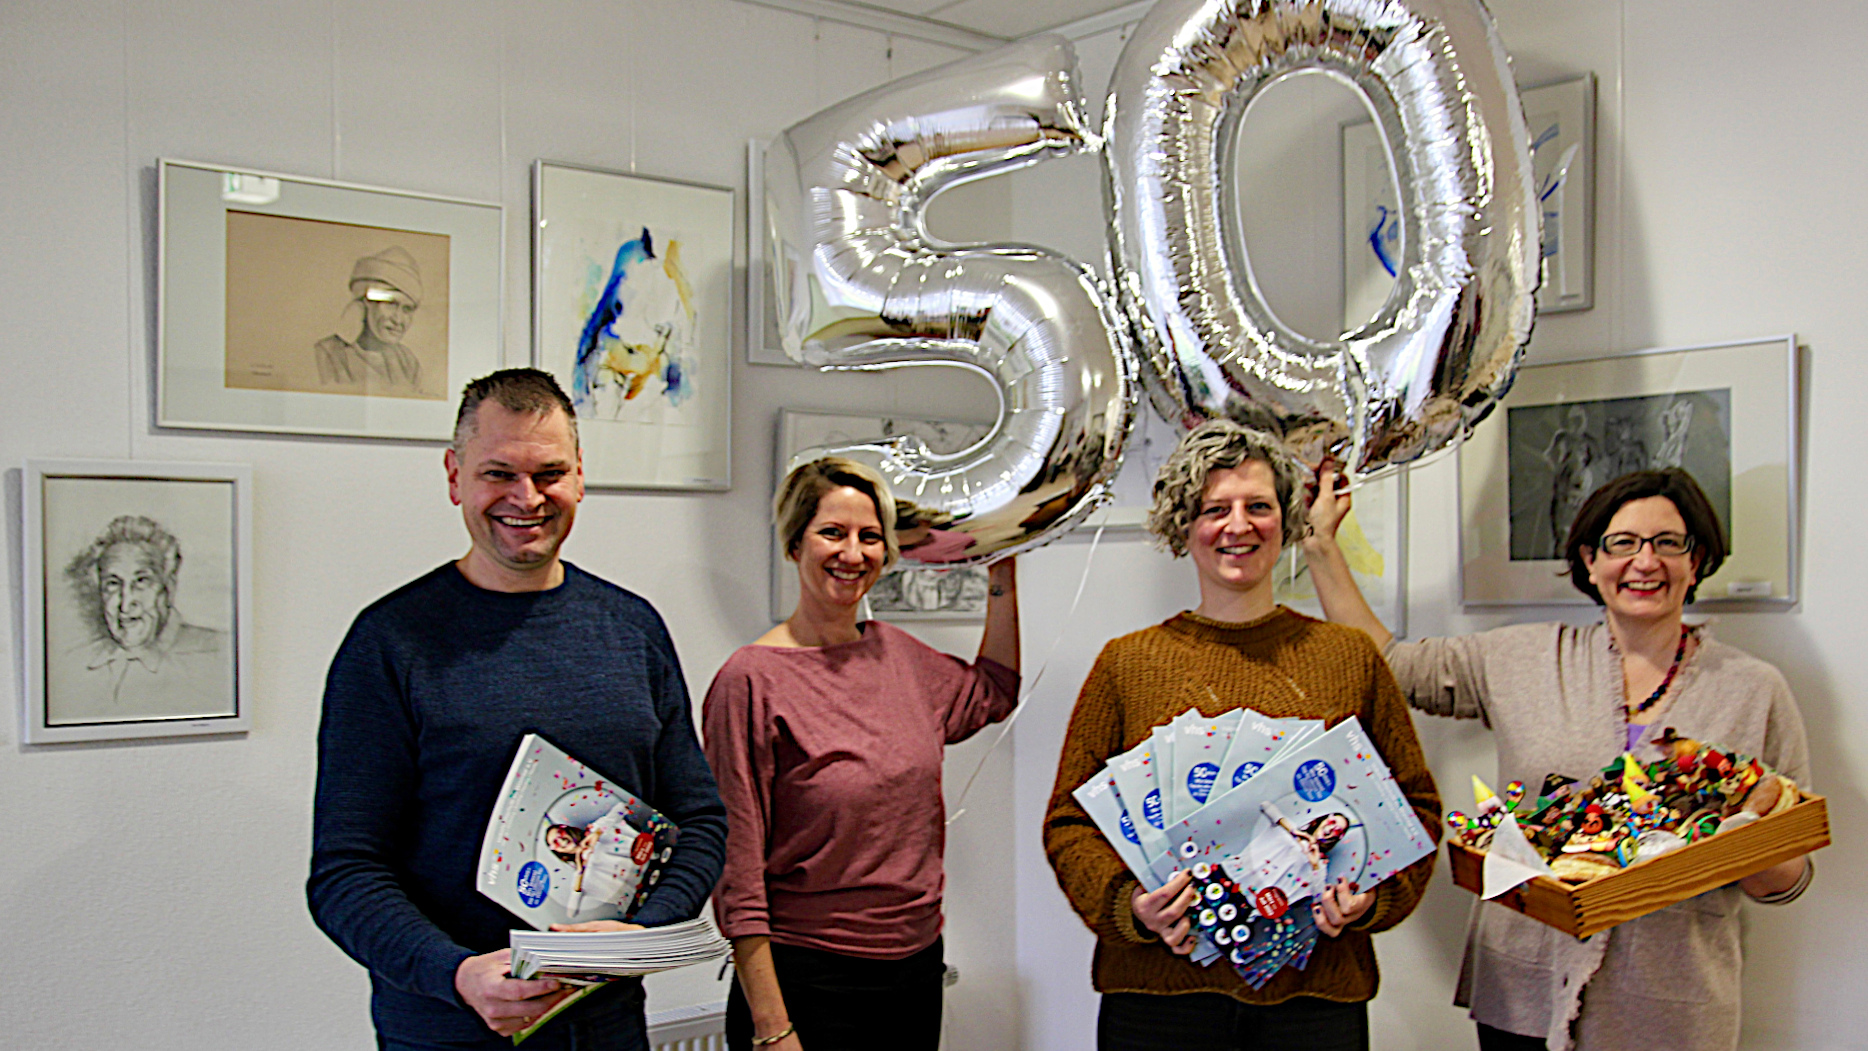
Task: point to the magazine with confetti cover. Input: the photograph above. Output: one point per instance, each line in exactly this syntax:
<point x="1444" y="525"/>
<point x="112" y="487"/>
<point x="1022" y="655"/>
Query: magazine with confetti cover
<point x="1326" y="809"/>
<point x="567" y="845"/>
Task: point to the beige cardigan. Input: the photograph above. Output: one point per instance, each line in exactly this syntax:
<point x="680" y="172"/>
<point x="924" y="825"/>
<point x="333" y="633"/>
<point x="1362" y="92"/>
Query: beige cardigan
<point x="1553" y="694"/>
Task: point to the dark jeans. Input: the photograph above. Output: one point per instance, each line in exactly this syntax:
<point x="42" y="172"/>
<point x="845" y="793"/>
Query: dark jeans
<point x="1498" y="1040"/>
<point x="609" y="1019"/>
<point x="847" y="1003"/>
<point x="1214" y="1022"/>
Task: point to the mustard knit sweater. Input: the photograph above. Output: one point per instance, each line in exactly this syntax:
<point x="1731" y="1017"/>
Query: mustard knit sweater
<point x="1284" y="664"/>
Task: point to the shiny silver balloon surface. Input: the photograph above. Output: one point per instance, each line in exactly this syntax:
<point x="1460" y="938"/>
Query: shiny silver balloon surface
<point x="861" y="284"/>
<point x="1442" y="351"/>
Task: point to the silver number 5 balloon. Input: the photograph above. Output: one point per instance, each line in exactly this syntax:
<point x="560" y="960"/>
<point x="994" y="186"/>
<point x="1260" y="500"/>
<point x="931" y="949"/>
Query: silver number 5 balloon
<point x="862" y="285"/>
<point x="1442" y="351"/>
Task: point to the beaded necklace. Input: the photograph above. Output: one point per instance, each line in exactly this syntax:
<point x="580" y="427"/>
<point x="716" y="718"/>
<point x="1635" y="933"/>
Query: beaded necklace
<point x="1679" y="655"/>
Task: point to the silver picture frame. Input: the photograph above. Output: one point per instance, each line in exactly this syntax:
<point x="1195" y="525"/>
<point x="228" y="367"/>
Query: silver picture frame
<point x="276" y="300"/>
<point x="138" y="600"/>
<point x="1727" y="412"/>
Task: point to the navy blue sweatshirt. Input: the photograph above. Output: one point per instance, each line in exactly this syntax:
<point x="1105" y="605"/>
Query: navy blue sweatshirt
<point x="424" y="707"/>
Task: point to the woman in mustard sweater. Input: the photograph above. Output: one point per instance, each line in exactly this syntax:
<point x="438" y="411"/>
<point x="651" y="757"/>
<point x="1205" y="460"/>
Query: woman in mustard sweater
<point x="1230" y="499"/>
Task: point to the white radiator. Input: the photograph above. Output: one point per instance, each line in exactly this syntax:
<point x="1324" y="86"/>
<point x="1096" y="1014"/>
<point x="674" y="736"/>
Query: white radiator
<point x="701" y="1027"/>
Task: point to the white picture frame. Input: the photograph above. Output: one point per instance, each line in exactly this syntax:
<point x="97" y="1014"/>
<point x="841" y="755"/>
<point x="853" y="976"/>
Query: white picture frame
<point x="1727" y="412"/>
<point x="1561" y="120"/>
<point x="763" y="344"/>
<point x="907" y="591"/>
<point x="642" y="344"/>
<point x="267" y="300"/>
<point x="138" y="600"/>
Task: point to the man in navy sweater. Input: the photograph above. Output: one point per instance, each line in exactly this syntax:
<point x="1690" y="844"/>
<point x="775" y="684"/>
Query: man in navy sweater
<point x="424" y="707"/>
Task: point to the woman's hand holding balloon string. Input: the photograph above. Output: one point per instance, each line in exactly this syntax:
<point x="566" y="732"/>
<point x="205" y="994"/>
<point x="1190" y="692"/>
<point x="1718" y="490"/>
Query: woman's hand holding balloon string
<point x="1337" y="590"/>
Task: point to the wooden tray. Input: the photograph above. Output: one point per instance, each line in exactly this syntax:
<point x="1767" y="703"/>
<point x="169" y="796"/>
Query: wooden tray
<point x="1585" y="908"/>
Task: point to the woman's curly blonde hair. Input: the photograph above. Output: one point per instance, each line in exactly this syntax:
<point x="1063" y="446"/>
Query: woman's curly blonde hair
<point x="1215" y="446"/>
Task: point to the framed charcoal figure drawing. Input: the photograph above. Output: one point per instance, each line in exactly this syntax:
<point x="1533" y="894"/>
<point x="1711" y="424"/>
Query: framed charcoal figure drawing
<point x="316" y="307"/>
<point x="632" y="300"/>
<point x="138" y="599"/>
<point x="907" y="590"/>
<point x="1726" y="413"/>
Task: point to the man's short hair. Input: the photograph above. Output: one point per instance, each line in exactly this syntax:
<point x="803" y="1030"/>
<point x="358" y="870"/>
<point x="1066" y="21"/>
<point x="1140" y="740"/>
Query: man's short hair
<point x="1218" y="445"/>
<point x="164" y="551"/>
<point x="802" y="490"/>
<point x="525" y="391"/>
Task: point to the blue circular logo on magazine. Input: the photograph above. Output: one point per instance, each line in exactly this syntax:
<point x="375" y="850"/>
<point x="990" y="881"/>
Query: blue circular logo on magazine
<point x="1127" y="824"/>
<point x="1151" y="809"/>
<point x="533" y="884"/>
<point x="1245" y="770"/>
<point x="1314" y="780"/>
<point x="1200" y="780"/>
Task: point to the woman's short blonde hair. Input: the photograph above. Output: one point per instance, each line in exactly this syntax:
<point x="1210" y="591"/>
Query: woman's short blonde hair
<point x="1217" y="445"/>
<point x="798" y="496"/>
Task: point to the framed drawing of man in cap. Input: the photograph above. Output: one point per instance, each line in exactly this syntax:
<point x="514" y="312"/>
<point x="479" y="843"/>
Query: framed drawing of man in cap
<point x="315" y="307"/>
<point x="335" y="308"/>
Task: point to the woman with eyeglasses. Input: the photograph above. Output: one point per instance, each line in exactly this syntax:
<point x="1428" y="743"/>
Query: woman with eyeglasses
<point x="1567" y="699"/>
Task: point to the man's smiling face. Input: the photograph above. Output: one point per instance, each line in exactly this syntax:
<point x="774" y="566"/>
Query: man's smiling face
<point x="518" y="480"/>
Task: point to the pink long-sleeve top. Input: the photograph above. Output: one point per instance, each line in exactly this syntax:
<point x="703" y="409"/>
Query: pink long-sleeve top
<point x="829" y="762"/>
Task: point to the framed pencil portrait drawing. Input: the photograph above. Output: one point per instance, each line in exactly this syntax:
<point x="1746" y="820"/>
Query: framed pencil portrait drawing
<point x="138" y="599"/>
<point x="632" y="302"/>
<point x="306" y="306"/>
<point x="1726" y="413"/>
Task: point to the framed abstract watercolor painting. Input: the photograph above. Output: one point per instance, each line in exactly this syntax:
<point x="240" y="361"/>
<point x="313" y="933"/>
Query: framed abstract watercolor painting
<point x="632" y="299"/>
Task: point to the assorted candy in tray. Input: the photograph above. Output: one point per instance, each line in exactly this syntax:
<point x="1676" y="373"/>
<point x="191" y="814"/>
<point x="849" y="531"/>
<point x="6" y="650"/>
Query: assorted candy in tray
<point x="1263" y="813"/>
<point x="1632" y="810"/>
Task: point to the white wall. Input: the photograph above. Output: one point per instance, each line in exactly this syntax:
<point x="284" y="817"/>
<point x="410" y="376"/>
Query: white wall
<point x="1724" y="195"/>
<point x="152" y="893"/>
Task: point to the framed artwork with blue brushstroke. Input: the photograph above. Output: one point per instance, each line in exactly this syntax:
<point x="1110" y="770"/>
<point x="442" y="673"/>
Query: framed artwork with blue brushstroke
<point x="1561" y="120"/>
<point x="631" y="301"/>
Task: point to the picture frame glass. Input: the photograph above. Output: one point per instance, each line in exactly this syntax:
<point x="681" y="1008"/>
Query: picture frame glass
<point x="305" y="306"/>
<point x="137" y="599"/>
<point x="1726" y="413"/>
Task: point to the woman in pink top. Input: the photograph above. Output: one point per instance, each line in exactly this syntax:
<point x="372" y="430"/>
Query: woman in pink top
<point x="827" y="737"/>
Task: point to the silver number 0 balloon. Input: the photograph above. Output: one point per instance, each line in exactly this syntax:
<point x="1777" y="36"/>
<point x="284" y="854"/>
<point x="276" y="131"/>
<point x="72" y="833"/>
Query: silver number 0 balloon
<point x="1441" y="352"/>
<point x="862" y="285"/>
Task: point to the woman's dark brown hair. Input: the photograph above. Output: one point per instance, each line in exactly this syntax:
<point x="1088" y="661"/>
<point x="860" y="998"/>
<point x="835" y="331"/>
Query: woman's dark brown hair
<point x="1702" y="523"/>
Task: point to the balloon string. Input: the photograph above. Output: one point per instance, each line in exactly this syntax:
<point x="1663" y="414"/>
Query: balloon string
<point x="1031" y="687"/>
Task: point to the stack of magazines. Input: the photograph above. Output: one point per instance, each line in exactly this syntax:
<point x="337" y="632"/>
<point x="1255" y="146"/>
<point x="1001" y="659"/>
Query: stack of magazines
<point x="603" y="955"/>
<point x="565" y="844"/>
<point x="1264" y="813"/>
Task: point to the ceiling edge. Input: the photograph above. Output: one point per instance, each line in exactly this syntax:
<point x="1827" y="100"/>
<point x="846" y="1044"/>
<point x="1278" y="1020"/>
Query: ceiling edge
<point x="867" y="17"/>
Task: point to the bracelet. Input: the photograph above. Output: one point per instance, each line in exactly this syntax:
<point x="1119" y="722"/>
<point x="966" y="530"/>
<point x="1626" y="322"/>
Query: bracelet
<point x="790" y="1028"/>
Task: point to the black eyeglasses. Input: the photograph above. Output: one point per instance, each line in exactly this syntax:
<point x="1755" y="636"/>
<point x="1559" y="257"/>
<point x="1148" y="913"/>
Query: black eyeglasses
<point x="1666" y="545"/>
